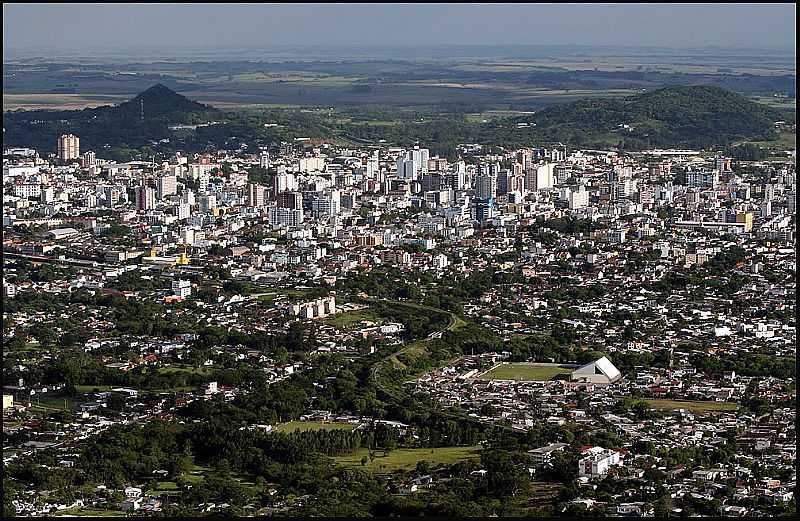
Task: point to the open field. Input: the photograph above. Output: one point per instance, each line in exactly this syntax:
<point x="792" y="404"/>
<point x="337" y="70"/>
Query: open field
<point x="295" y="426"/>
<point x="58" y="101"/>
<point x="777" y="102"/>
<point x="693" y="406"/>
<point x="89" y="512"/>
<point x="525" y="372"/>
<point x="406" y="459"/>
<point x="351" y="319"/>
<point x="52" y="402"/>
<point x="521" y="83"/>
<point x="785" y="141"/>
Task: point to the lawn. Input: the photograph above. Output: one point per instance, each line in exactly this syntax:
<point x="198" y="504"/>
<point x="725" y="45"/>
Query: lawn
<point x="89" y="512"/>
<point x="163" y="487"/>
<point x="351" y="319"/>
<point x="295" y="426"/>
<point x="174" y="369"/>
<point x="694" y="406"/>
<point x="525" y="372"/>
<point x="406" y="459"/>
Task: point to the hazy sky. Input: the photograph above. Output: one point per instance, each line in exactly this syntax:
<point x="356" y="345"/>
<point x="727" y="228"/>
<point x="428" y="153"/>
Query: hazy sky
<point x="99" y="27"/>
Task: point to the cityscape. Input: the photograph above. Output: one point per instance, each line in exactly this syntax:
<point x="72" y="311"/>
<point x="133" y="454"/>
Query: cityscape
<point x="499" y="280"/>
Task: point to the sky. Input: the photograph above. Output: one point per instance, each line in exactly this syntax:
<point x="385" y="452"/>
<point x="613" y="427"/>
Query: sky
<point x="89" y="28"/>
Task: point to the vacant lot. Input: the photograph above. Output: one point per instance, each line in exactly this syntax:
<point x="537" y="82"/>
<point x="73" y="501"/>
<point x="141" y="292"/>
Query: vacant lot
<point x="526" y="372"/>
<point x="697" y="407"/>
<point x="313" y="426"/>
<point x="406" y="459"/>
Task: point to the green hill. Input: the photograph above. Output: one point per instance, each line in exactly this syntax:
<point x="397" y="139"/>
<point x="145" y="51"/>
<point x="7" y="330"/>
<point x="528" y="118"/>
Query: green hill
<point x="683" y="116"/>
<point x="132" y="124"/>
<point x="157" y="102"/>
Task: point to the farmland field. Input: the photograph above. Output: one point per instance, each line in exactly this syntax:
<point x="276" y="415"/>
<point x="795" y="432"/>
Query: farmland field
<point x="694" y="406"/>
<point x="406" y="459"/>
<point x="526" y="372"/>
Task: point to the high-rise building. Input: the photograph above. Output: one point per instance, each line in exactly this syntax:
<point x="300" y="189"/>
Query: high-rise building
<point x="413" y="164"/>
<point x="291" y="200"/>
<point x="167" y="185"/>
<point x="263" y="160"/>
<point x="68" y="147"/>
<point x="327" y="203"/>
<point x="145" y="198"/>
<point x="207" y="202"/>
<point x="184" y="211"/>
<point x="284" y="183"/>
<point x="578" y="198"/>
<point x="702" y="178"/>
<point x="540" y="177"/>
<point x="89" y="159"/>
<point x="255" y="195"/>
<point x="486" y="183"/>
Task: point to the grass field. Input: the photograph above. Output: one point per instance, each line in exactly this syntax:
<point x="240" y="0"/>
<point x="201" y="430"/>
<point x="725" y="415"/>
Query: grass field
<point x="312" y="426"/>
<point x="406" y="459"/>
<point x="52" y="402"/>
<point x="89" y="512"/>
<point x="694" y="406"/>
<point x="525" y="372"/>
<point x="352" y="319"/>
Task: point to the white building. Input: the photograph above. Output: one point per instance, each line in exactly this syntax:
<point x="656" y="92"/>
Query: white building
<point x="597" y="461"/>
<point x="601" y="371"/>
<point x="68" y="147"/>
<point x="167" y="185"/>
<point x="181" y="288"/>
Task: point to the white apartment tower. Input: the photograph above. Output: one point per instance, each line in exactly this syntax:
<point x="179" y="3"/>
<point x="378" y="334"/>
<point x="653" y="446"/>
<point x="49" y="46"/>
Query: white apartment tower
<point x="68" y="147"/>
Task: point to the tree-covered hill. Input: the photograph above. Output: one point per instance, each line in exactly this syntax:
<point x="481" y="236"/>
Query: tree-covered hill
<point x="131" y="124"/>
<point x="682" y="116"/>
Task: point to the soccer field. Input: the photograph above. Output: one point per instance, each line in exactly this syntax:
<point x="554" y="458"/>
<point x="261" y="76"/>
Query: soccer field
<point x="406" y="459"/>
<point x="526" y="372"/>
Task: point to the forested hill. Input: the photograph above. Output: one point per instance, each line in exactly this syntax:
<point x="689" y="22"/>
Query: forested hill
<point x="132" y="124"/>
<point x="682" y="116"/>
<point x="156" y="102"/>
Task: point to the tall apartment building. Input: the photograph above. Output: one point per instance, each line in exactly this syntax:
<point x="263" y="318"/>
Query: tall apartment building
<point x="145" y="198"/>
<point x="255" y="195"/>
<point x="88" y="159"/>
<point x="284" y="183"/>
<point x="263" y="160"/>
<point x="539" y="177"/>
<point x="413" y="164"/>
<point x="167" y="185"/>
<point x="578" y="198"/>
<point x="291" y="200"/>
<point x="486" y="184"/>
<point x="68" y="147"/>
